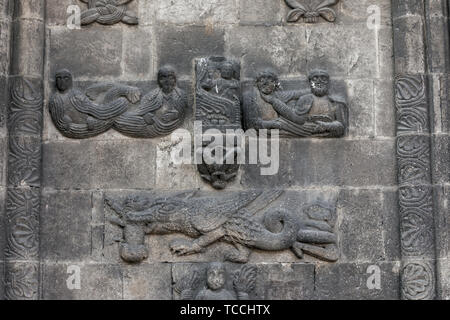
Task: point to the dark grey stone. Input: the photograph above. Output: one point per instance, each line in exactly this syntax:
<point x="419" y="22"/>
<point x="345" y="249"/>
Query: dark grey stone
<point x="355" y="163"/>
<point x="349" y="282"/>
<point x="147" y="282"/>
<point x="90" y="52"/>
<point x="369" y="229"/>
<point x="98" y="282"/>
<point x="66" y="225"/>
<point x="4" y="98"/>
<point x="441" y="164"/>
<point x="179" y="46"/>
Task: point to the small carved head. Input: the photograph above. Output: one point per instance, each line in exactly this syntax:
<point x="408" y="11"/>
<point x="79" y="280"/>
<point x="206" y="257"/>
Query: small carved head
<point x="216" y="276"/>
<point x="226" y="70"/>
<point x="167" y="79"/>
<point x="267" y="82"/>
<point x="319" y="81"/>
<point x="64" y="80"/>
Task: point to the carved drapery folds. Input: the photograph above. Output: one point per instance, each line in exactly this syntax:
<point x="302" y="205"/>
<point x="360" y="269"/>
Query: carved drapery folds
<point x="296" y="113"/>
<point x="108" y="12"/>
<point x="311" y="10"/>
<point x="245" y="219"/>
<point x="218" y="108"/>
<point x="415" y="190"/>
<point x="108" y="106"/>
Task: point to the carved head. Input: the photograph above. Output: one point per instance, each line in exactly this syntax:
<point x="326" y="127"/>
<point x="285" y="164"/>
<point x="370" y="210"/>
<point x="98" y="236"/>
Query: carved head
<point x="216" y="276"/>
<point x="267" y="82"/>
<point x="63" y="80"/>
<point x="319" y="81"/>
<point x="167" y="79"/>
<point x="226" y="70"/>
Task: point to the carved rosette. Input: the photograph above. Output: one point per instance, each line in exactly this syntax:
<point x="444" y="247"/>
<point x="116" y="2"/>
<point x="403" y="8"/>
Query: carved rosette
<point x="415" y="190"/>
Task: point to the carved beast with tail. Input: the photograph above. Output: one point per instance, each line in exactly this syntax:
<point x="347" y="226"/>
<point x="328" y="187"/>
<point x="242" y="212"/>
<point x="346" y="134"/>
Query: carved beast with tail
<point x="228" y="218"/>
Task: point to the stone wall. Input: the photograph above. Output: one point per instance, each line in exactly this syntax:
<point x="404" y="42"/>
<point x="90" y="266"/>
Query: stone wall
<point x="354" y="177"/>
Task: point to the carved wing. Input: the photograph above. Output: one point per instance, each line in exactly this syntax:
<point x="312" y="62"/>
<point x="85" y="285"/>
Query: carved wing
<point x="211" y="213"/>
<point x="266" y="198"/>
<point x="245" y="279"/>
<point x="187" y="286"/>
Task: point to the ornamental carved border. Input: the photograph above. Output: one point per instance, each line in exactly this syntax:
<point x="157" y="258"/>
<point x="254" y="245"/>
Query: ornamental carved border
<point x="415" y="193"/>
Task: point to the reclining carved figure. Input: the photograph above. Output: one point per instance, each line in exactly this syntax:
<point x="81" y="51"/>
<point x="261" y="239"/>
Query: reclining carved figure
<point x="227" y="218"/>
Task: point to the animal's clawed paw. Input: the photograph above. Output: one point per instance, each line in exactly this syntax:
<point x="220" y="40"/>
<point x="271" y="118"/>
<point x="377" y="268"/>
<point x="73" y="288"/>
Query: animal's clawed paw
<point x="183" y="247"/>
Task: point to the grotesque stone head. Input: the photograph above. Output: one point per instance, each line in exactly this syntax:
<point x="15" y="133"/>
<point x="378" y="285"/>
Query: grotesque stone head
<point x="227" y="70"/>
<point x="267" y="82"/>
<point x="167" y="79"/>
<point x="319" y="81"/>
<point x="64" y="80"/>
<point x="216" y="276"/>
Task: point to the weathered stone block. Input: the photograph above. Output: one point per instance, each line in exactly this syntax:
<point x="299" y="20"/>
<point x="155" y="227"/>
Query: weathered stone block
<point x="98" y="282"/>
<point x="357" y="11"/>
<point x="441" y="167"/>
<point x="56" y="11"/>
<point x="369" y="226"/>
<point x="87" y="53"/>
<point x="66" y="225"/>
<point x="204" y="12"/>
<point x="4" y="48"/>
<point x="361" y="105"/>
<point x="385" y="112"/>
<point x="66" y="165"/>
<point x="350" y="282"/>
<point x="259" y="47"/>
<point x="260" y="12"/>
<point x="123" y="164"/>
<point x="325" y="50"/>
<point x="342" y="162"/>
<point x="4" y="98"/>
<point x="147" y="282"/>
<point x="30" y="60"/>
<point x="138" y="55"/>
<point x="179" y="46"/>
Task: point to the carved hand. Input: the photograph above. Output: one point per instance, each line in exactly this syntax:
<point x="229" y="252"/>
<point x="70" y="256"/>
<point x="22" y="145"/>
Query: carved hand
<point x="134" y="95"/>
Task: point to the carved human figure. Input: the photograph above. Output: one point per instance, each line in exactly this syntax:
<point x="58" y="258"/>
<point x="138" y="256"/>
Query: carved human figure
<point x="328" y="112"/>
<point x="77" y="116"/>
<point x="107" y="12"/>
<point x="216" y="279"/>
<point x="160" y="112"/>
<point x="296" y="112"/>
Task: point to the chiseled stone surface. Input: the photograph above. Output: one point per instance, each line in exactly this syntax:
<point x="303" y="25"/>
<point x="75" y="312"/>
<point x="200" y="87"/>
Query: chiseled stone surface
<point x="354" y="176"/>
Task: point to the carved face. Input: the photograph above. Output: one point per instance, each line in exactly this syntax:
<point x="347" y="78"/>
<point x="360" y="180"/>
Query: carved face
<point x="267" y="85"/>
<point x="227" y="71"/>
<point x="319" y="85"/>
<point x="215" y="277"/>
<point x="167" y="81"/>
<point x="63" y="81"/>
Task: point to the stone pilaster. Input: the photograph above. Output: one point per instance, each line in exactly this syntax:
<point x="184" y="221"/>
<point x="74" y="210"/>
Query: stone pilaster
<point x="24" y="123"/>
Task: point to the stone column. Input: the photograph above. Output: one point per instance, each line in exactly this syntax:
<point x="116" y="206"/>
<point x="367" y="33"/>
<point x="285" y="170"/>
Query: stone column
<point x="415" y="61"/>
<point x="24" y="143"/>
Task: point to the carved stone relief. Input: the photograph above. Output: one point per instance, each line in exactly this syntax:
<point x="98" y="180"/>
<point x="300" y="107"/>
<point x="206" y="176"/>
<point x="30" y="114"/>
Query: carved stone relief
<point x="212" y="283"/>
<point x="299" y="113"/>
<point x="245" y="220"/>
<point x="218" y="107"/>
<point x="311" y="10"/>
<point x="102" y="107"/>
<point x="108" y="12"/>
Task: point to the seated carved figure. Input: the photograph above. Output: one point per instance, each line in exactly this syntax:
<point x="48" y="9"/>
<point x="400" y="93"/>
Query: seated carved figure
<point x="160" y="112"/>
<point x="77" y="116"/>
<point x="244" y="282"/>
<point x="107" y="12"/>
<point x="296" y="112"/>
